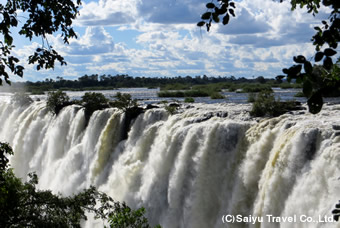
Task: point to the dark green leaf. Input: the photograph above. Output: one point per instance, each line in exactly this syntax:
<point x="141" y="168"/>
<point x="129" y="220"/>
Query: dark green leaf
<point x="318" y="29"/>
<point x="200" y="24"/>
<point x="315" y="103"/>
<point x="329" y="52"/>
<point x="334" y="45"/>
<point x="279" y="77"/>
<point x="8" y="81"/>
<point x="206" y="16"/>
<point x="318" y="56"/>
<point x="232" y="4"/>
<point x="8" y="39"/>
<point x="328" y="63"/>
<point x="231" y="11"/>
<point x="226" y="19"/>
<point x="223" y="9"/>
<point x="299" y="59"/>
<point x="285" y="71"/>
<point x="215" y="17"/>
<point x="308" y="67"/>
<point x="210" y="5"/>
<point x="295" y="69"/>
<point x="307" y="88"/>
<point x="300" y="79"/>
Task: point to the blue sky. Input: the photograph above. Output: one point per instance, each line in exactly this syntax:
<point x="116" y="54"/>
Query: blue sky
<point x="160" y="38"/>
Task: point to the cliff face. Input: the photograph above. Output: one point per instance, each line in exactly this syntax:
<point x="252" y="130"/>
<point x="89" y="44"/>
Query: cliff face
<point x="197" y="168"/>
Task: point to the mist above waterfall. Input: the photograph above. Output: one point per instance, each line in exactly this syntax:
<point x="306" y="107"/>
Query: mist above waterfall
<point x="190" y="169"/>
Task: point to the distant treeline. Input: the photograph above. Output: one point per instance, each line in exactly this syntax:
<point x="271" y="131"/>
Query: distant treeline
<point x="102" y="82"/>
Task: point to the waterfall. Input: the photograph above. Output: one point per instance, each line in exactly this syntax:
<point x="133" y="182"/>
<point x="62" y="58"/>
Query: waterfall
<point x="197" y="168"/>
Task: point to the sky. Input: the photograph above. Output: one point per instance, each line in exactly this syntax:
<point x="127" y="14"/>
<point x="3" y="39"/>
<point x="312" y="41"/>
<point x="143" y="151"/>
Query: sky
<point x="155" y="38"/>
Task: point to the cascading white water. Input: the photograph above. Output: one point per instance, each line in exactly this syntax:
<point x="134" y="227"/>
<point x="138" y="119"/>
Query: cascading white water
<point x="192" y="169"/>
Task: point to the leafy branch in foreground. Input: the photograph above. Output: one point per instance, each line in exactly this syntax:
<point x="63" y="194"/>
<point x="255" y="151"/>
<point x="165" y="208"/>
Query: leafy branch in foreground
<point x="23" y="205"/>
<point x="223" y="8"/>
<point x="317" y="82"/>
<point x="44" y="18"/>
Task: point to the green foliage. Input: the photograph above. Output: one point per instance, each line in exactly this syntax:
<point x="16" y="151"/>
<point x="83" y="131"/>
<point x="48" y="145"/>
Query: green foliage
<point x="299" y="94"/>
<point x="189" y="100"/>
<point x="255" y="88"/>
<point x="56" y="101"/>
<point x="123" y="217"/>
<point x="316" y="85"/>
<point x="92" y="102"/>
<point x="251" y="97"/>
<point x="23" y="205"/>
<point x="290" y="86"/>
<point x="176" y="86"/>
<point x="214" y="11"/>
<point x="171" y="108"/>
<point x="266" y="105"/>
<point x="317" y="81"/>
<point x="124" y="102"/>
<point x="211" y="87"/>
<point x="43" y="18"/>
<point x="21" y="99"/>
<point x="129" y="107"/>
<point x="5" y="149"/>
<point x="216" y="95"/>
<point x="103" y="82"/>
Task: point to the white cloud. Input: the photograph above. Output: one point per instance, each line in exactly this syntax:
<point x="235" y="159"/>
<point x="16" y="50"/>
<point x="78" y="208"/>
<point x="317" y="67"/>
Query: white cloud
<point x="107" y="12"/>
<point x="262" y="39"/>
<point x="245" y="23"/>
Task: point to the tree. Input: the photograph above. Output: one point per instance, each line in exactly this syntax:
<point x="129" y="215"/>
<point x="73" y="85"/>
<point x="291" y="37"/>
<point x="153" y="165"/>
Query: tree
<point x="316" y="83"/>
<point x="92" y="102"/>
<point x="56" y="101"/>
<point x="44" y="18"/>
<point x="124" y="102"/>
<point x="23" y="205"/>
<point x="131" y="109"/>
<point x="265" y="104"/>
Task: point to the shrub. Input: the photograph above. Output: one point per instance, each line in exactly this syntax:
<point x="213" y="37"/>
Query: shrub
<point x="255" y="88"/>
<point x="189" y="93"/>
<point x="176" y="86"/>
<point x="23" y="205"/>
<point x="290" y="86"/>
<point x="130" y="107"/>
<point x="299" y="94"/>
<point x="189" y="100"/>
<point x="232" y="88"/>
<point x="93" y="102"/>
<point x="216" y="95"/>
<point x="266" y="105"/>
<point x="251" y="97"/>
<point x="57" y="101"/>
<point x="124" y="102"/>
<point x="171" y="109"/>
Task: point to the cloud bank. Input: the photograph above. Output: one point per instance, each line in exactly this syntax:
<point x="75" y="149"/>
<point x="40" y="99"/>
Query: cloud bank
<point x="162" y="39"/>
